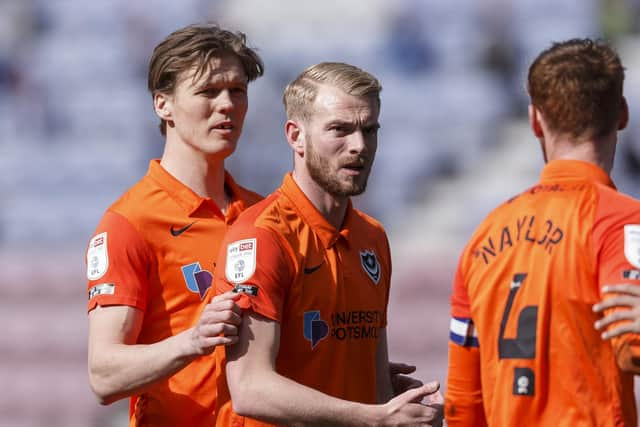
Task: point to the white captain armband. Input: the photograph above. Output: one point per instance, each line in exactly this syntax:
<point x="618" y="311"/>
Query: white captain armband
<point x="463" y="332"/>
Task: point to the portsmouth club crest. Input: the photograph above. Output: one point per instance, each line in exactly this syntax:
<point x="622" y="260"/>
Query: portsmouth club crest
<point x="370" y="265"/>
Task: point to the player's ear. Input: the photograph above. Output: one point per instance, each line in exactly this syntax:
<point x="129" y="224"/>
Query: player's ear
<point x="624" y="114"/>
<point x="295" y="136"/>
<point x="534" y="121"/>
<point x="162" y="105"/>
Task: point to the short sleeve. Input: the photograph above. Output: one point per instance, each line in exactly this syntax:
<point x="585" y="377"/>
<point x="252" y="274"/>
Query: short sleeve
<point x="254" y="262"/>
<point x="118" y="262"/>
<point x="617" y="251"/>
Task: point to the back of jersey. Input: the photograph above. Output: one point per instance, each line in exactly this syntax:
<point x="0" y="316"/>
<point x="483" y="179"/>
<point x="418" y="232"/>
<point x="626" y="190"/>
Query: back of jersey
<point x="531" y="277"/>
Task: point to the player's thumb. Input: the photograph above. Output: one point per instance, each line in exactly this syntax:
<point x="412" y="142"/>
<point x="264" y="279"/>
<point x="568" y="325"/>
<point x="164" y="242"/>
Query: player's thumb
<point x="416" y="395"/>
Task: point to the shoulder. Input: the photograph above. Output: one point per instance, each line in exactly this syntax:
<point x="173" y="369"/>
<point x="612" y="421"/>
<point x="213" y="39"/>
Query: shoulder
<point x="139" y="200"/>
<point x="248" y="196"/>
<point x="367" y="222"/>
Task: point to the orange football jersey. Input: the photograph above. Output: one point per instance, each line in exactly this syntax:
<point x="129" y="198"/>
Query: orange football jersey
<point x="523" y="348"/>
<point x="155" y="250"/>
<point x="327" y="288"/>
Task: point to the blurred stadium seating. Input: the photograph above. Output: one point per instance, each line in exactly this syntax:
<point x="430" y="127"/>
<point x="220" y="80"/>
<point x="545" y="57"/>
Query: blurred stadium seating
<point x="77" y="128"/>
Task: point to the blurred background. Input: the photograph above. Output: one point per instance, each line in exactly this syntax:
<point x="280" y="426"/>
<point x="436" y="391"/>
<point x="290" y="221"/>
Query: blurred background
<point x="77" y="129"/>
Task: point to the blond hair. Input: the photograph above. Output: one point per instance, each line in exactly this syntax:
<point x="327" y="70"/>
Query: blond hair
<point x="300" y="94"/>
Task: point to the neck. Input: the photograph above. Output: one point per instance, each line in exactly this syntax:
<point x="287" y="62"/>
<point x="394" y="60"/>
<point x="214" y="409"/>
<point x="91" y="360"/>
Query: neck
<point x="333" y="208"/>
<point x="599" y="151"/>
<point x="202" y="174"/>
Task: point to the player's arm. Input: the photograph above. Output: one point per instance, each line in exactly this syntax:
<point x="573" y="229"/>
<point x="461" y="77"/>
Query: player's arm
<point x="384" y="388"/>
<point x="388" y="375"/>
<point x="463" y="400"/>
<point x="118" y="367"/>
<point x="615" y="252"/>
<point x="400" y="379"/>
<point x="258" y="391"/>
<point x="621" y="306"/>
<point x="626" y="298"/>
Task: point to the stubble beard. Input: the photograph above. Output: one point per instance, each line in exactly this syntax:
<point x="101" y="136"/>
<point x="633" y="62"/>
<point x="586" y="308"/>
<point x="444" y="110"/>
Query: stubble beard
<point x="321" y="173"/>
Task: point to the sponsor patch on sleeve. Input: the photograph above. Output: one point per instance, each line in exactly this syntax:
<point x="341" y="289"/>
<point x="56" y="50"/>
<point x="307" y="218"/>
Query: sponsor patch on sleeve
<point x="102" y="289"/>
<point x="241" y="260"/>
<point x="632" y="244"/>
<point x="463" y="332"/>
<point x="246" y="289"/>
<point x="631" y="274"/>
<point x="97" y="257"/>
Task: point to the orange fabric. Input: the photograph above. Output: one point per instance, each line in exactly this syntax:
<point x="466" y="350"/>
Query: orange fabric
<point x="163" y="275"/>
<point x="311" y="279"/>
<point x="527" y="281"/>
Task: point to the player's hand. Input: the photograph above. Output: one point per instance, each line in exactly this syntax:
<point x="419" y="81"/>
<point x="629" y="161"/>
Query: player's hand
<point x="218" y="324"/>
<point x="407" y="409"/>
<point x="627" y="299"/>
<point x="400" y="380"/>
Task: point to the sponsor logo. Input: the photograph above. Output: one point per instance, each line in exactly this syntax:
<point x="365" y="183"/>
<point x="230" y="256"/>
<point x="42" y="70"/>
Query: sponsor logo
<point x="631" y="274"/>
<point x="102" y="289"/>
<point x="315" y="329"/>
<point x="246" y="289"/>
<point x="97" y="257"/>
<point x="343" y="325"/>
<point x="241" y="260"/>
<point x="309" y="270"/>
<point x="524" y="381"/>
<point x="370" y="265"/>
<point x="197" y="279"/>
<point x="176" y="232"/>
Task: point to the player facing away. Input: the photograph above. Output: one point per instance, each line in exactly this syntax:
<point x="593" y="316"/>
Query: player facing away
<point x="523" y="349"/>
<point x="314" y="275"/>
<point x="153" y="254"/>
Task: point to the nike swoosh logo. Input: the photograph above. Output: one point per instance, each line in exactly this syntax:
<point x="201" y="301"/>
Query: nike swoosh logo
<point x="179" y="231"/>
<point x="309" y="270"/>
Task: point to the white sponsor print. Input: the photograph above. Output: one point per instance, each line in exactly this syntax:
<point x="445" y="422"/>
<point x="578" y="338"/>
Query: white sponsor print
<point x="97" y="257"/>
<point x="102" y="289"/>
<point x="632" y="244"/>
<point x="241" y="260"/>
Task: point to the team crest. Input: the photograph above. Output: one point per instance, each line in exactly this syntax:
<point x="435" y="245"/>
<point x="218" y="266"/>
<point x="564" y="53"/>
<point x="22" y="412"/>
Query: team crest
<point x="97" y="257"/>
<point x="632" y="244"/>
<point x="241" y="260"/>
<point x="370" y="265"/>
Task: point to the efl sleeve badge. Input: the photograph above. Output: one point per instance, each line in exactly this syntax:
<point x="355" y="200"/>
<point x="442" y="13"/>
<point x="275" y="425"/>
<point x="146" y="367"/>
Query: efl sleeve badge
<point x="632" y="244"/>
<point x="241" y="260"/>
<point x="97" y="257"/>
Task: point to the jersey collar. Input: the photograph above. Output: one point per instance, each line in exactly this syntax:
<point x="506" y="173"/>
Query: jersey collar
<point x="575" y="170"/>
<point x="191" y="202"/>
<point x="327" y="233"/>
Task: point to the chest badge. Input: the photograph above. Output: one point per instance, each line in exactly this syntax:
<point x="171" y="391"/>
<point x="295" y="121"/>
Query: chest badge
<point x="370" y="265"/>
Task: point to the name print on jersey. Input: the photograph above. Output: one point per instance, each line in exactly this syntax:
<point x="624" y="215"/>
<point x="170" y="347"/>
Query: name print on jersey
<point x="527" y="229"/>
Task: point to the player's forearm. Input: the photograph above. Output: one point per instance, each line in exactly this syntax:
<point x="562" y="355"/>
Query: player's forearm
<point x="276" y="399"/>
<point x="463" y="400"/>
<point x="117" y="371"/>
<point x="384" y="388"/>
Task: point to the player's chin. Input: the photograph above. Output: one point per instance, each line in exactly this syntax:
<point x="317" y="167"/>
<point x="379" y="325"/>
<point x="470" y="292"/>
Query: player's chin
<point x="222" y="147"/>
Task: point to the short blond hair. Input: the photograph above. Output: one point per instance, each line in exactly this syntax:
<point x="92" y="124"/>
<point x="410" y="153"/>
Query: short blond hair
<point x="300" y="94"/>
